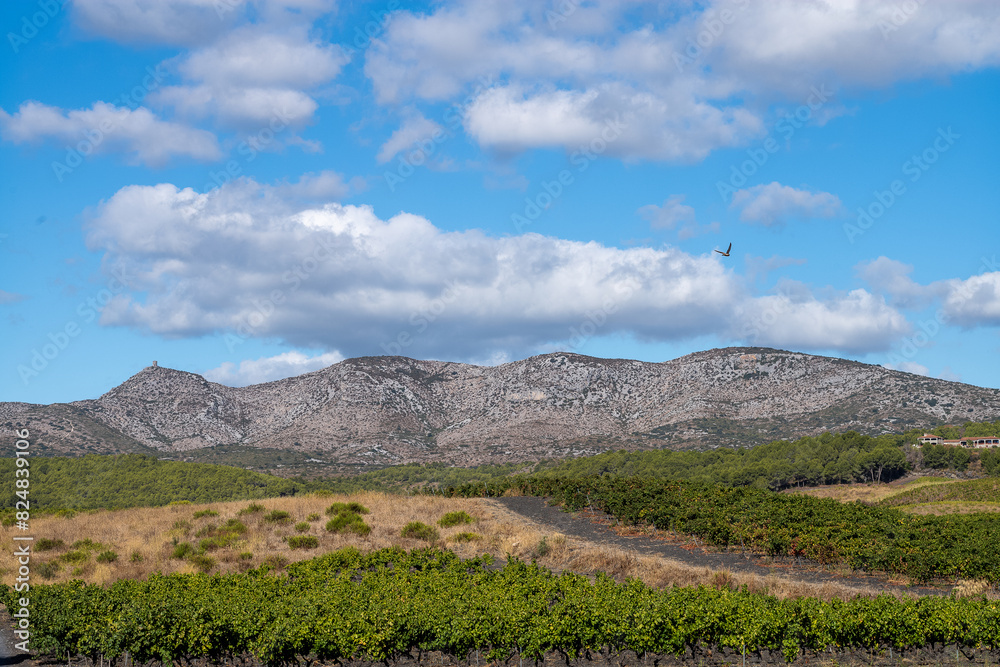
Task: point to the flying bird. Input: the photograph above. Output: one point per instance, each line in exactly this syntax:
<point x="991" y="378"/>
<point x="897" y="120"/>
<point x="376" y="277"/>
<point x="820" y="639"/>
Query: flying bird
<point x="725" y="254"/>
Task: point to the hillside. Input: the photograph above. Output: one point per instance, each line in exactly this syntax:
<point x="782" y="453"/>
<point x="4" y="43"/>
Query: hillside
<point x="392" y="410"/>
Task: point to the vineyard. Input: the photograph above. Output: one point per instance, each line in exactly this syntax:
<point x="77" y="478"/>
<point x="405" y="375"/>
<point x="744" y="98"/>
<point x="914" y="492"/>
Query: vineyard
<point x="392" y="602"/>
<point x="873" y="539"/>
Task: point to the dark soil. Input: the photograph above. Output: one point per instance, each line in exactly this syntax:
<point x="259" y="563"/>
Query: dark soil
<point x="595" y="526"/>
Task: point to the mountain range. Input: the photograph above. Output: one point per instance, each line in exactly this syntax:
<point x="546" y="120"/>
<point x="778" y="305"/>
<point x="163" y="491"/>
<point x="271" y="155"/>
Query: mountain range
<point x="389" y="410"/>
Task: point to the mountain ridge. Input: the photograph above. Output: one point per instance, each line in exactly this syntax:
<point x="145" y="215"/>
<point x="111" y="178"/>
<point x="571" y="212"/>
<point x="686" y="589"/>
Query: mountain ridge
<point x="386" y="410"/>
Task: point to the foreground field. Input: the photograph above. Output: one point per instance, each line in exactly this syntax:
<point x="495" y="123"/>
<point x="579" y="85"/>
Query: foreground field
<point x="390" y="603"/>
<point x="148" y="540"/>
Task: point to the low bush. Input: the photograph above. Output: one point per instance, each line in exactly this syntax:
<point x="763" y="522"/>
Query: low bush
<point x="48" y="570"/>
<point x="202" y="562"/>
<point x="252" y="508"/>
<point x="276" y="562"/>
<point x="466" y="537"/>
<point x="303" y="542"/>
<point x="348" y="522"/>
<point x="454" y="519"/>
<point x="302" y="527"/>
<point x="45" y="544"/>
<point x="278" y="516"/>
<point x="182" y="550"/>
<point x="420" y="531"/>
<point x="337" y="508"/>
<point x="201" y="513"/>
<point x="107" y="557"/>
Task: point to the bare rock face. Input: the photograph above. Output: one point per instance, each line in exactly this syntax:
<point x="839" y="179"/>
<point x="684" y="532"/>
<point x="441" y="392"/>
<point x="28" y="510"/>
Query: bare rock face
<point x="383" y="410"/>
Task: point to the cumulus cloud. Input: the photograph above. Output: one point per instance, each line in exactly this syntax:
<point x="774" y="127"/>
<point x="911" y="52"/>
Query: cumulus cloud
<point x="674" y="214"/>
<point x="794" y="318"/>
<point x="173" y="22"/>
<point x="775" y="204"/>
<point x="268" y="369"/>
<point x="892" y="277"/>
<point x="106" y="128"/>
<point x="414" y="129"/>
<point x="248" y="260"/>
<point x="672" y="80"/>
<point x="254" y="76"/>
<point x="973" y="302"/>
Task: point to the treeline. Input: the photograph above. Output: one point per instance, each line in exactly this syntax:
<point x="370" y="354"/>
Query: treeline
<point x="874" y="539"/>
<point x="825" y="459"/>
<point x="389" y="604"/>
<point x="417" y="476"/>
<point x="135" y="480"/>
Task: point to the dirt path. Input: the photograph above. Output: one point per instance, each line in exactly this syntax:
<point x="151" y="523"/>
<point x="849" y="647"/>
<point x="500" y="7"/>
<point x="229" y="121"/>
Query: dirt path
<point x="597" y="527"/>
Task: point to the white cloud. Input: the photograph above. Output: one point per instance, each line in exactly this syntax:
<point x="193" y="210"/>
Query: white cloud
<point x="774" y="204"/>
<point x="795" y="319"/>
<point x="106" y="128"/>
<point x="973" y="302"/>
<point x="249" y="260"/>
<point x="268" y="369"/>
<point x="569" y="77"/>
<point x="909" y="367"/>
<point x="176" y="22"/>
<point x="892" y="277"/>
<point x="414" y="129"/>
<point x="254" y="77"/>
<point x="673" y="214"/>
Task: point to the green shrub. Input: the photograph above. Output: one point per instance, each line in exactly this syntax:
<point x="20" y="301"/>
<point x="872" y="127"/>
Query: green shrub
<point x="201" y="513"/>
<point x="337" y="508"/>
<point x="202" y="562"/>
<point x="107" y="557"/>
<point x="302" y="527"/>
<point x="313" y="517"/>
<point x="45" y="544"/>
<point x="136" y="557"/>
<point x="47" y="570"/>
<point x="234" y="526"/>
<point x="454" y="519"/>
<point x="65" y="514"/>
<point x="466" y="537"/>
<point x="543" y="548"/>
<point x="252" y="508"/>
<point x="207" y="529"/>
<point x="79" y="556"/>
<point x="276" y="562"/>
<point x="183" y="526"/>
<point x="303" y="542"/>
<point x="348" y="522"/>
<point x="87" y="544"/>
<point x="178" y="502"/>
<point x="420" y="531"/>
<point x="246" y="555"/>
<point x="182" y="550"/>
<point x="278" y="516"/>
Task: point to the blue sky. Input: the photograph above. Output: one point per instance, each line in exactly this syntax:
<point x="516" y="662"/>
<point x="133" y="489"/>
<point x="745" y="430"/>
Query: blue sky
<point x="252" y="189"/>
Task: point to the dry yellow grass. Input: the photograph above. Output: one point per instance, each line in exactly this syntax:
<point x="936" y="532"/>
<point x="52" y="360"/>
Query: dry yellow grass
<point x="951" y="507"/>
<point x="869" y="492"/>
<point x="151" y="532"/>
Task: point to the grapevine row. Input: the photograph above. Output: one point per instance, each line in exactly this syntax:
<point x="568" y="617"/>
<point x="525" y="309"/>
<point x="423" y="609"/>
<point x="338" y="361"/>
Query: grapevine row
<point x="866" y="538"/>
<point x="391" y="602"/>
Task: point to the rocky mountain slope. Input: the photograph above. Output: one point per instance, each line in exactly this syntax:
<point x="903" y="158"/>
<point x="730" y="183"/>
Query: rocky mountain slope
<point x="386" y="410"/>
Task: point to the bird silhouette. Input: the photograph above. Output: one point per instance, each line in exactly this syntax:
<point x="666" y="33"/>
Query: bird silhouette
<point x="725" y="254"/>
